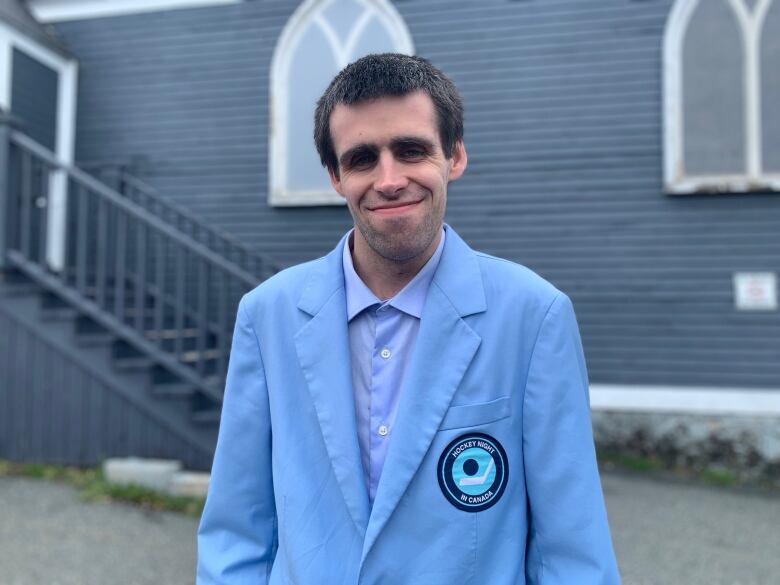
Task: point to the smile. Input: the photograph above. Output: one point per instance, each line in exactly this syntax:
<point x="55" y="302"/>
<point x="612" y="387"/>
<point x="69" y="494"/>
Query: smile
<point x="395" y="209"/>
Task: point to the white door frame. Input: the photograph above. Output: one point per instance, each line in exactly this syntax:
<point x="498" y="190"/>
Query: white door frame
<point x="67" y="87"/>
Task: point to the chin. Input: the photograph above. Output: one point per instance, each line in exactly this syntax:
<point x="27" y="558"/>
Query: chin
<point x="400" y="245"/>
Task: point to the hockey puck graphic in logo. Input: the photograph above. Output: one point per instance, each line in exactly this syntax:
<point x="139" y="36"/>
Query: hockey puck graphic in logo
<point x="473" y="472"/>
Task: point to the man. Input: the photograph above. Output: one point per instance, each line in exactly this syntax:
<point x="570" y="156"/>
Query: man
<point x="404" y="410"/>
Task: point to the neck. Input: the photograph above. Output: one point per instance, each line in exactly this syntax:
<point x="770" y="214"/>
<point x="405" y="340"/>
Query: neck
<point x="385" y="277"/>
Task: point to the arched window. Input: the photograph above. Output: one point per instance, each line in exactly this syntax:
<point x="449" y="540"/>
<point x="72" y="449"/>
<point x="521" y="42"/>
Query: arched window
<point x="321" y="37"/>
<point x="722" y="96"/>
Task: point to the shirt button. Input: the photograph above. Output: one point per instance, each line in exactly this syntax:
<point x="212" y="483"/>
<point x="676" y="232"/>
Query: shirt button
<point x="385" y="353"/>
<point x="383" y="430"/>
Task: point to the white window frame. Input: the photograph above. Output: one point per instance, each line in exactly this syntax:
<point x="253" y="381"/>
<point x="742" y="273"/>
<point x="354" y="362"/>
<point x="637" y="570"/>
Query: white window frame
<point x="63" y="10"/>
<point x="675" y="179"/>
<point x="278" y="194"/>
<point x="67" y="88"/>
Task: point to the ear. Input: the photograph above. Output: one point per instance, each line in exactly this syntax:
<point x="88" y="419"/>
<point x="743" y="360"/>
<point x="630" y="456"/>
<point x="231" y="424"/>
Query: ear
<point x="335" y="181"/>
<point x="458" y="161"/>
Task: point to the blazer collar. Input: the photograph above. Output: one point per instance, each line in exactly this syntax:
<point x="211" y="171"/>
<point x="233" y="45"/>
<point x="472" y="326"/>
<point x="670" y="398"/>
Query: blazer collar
<point x="325" y="278"/>
<point x="458" y="276"/>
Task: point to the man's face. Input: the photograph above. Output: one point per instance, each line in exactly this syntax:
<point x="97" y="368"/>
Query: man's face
<point x="393" y="172"/>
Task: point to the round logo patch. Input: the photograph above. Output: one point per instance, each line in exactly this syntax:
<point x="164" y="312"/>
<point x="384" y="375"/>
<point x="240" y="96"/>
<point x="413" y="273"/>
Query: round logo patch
<point x="473" y="472"/>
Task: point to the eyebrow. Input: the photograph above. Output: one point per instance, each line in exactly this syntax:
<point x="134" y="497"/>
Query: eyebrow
<point x="395" y="144"/>
<point x="404" y="141"/>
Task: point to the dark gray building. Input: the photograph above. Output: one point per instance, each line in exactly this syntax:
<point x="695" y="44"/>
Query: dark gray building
<point x="627" y="151"/>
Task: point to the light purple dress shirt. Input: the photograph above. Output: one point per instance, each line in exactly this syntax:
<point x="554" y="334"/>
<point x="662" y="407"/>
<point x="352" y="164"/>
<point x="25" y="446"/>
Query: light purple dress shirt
<point x="382" y="335"/>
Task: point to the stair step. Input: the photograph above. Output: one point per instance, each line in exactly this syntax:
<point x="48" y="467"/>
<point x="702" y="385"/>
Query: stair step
<point x="173" y="390"/>
<point x="53" y="308"/>
<point x="88" y="339"/>
<point x="155" y="334"/>
<point x="149" y="321"/>
<point x="196" y="356"/>
<point x="188" y="341"/>
<point x="110" y="291"/>
<point x="133" y="362"/>
<point x="58" y="313"/>
<point x="18" y="289"/>
<point x="206" y="417"/>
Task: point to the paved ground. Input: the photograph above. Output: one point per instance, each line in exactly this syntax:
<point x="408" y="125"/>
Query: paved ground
<point x="668" y="533"/>
<point x="665" y="533"/>
<point x="48" y="536"/>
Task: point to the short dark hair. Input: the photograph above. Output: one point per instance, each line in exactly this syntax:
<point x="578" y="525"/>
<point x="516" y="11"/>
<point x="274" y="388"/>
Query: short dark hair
<point x="388" y="74"/>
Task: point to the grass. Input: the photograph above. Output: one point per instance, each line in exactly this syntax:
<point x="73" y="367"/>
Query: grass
<point x="717" y="476"/>
<point x="721" y="477"/>
<point x="93" y="487"/>
<point x="630" y="462"/>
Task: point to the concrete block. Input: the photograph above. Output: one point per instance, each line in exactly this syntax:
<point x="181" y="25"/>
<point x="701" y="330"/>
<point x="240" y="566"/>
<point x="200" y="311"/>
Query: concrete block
<point x="190" y="484"/>
<point x="155" y="474"/>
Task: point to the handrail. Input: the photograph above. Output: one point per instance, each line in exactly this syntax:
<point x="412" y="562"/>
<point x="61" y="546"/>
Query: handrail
<point x="167" y="294"/>
<point x="131" y="208"/>
<point x="150" y="199"/>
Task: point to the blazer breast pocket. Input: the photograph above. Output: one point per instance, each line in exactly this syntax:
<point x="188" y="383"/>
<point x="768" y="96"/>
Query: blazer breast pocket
<point x="474" y="415"/>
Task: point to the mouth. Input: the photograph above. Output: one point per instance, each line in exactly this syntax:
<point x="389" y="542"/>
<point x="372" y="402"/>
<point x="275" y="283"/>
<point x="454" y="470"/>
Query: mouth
<point x="395" y="208"/>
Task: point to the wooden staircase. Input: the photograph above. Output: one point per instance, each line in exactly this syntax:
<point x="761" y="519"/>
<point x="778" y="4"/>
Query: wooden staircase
<point x="145" y="297"/>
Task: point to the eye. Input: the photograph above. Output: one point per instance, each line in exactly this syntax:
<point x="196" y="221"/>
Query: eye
<point x="413" y="152"/>
<point x="361" y="160"/>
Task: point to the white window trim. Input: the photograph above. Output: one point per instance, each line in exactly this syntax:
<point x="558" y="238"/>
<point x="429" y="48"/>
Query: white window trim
<point x="278" y="195"/>
<point x="675" y="179"/>
<point x="63" y="10"/>
<point x="67" y="76"/>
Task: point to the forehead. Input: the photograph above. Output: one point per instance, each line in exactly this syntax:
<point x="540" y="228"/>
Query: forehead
<point x="381" y="120"/>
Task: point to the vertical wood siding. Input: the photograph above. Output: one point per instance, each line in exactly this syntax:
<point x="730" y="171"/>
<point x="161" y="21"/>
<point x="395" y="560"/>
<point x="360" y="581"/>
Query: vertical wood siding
<point x="563" y="131"/>
<point x="52" y="410"/>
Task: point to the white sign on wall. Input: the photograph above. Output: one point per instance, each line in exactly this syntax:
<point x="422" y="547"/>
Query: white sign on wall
<point x="755" y="291"/>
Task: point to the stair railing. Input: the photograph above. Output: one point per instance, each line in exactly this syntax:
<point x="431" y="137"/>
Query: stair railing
<point x="143" y="194"/>
<point x="166" y="294"/>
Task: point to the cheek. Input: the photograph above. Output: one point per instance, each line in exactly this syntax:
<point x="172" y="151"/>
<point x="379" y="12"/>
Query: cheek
<point x="353" y="206"/>
<point x="353" y="189"/>
<point x="350" y="207"/>
<point x="349" y="195"/>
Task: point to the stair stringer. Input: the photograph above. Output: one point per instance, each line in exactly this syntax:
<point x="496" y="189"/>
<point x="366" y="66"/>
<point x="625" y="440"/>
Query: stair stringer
<point x="64" y="402"/>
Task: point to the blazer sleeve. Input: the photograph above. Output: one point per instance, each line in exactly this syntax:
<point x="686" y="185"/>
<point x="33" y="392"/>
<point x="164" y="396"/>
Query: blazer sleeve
<point x="568" y="539"/>
<point x="237" y="534"/>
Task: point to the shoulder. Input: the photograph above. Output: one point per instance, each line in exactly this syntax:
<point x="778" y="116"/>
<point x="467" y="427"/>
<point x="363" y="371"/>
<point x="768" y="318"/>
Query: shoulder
<point x="519" y="299"/>
<point x="503" y="277"/>
<point x="281" y="289"/>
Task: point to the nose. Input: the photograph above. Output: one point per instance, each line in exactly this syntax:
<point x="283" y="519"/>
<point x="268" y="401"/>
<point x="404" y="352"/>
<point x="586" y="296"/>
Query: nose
<point x="390" y="177"/>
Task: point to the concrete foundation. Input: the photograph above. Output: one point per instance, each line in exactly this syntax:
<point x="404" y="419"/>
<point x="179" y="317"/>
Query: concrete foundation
<point x="749" y="445"/>
<point x="190" y="484"/>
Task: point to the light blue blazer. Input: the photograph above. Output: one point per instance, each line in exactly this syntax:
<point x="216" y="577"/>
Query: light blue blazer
<point x="498" y="355"/>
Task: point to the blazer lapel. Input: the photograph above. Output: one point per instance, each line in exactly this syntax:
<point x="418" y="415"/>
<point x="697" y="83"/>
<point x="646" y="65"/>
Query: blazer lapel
<point x="443" y="351"/>
<point x="323" y="352"/>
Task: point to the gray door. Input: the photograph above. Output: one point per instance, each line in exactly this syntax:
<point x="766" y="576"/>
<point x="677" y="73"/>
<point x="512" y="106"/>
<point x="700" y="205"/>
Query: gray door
<point x="34" y="98"/>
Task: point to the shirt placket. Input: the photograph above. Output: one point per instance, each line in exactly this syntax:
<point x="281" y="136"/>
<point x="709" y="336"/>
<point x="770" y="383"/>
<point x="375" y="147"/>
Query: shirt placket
<point x="381" y="377"/>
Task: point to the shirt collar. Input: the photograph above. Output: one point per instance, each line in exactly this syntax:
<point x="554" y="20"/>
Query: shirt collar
<point x="409" y="299"/>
